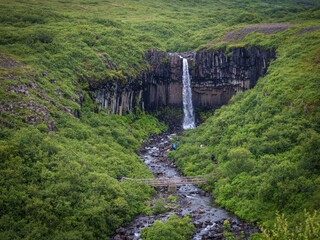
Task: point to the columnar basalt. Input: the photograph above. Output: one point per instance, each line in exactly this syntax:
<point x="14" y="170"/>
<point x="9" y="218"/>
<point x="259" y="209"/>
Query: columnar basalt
<point x="118" y="99"/>
<point x="163" y="87"/>
<point x="215" y="77"/>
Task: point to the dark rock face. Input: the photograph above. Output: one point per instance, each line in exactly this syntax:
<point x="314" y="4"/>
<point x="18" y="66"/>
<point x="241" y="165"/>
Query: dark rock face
<point x="215" y="78"/>
<point x="117" y="98"/>
<point x="163" y="87"/>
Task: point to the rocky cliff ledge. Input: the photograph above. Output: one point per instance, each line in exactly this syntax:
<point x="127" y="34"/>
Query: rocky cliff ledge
<point x="215" y="78"/>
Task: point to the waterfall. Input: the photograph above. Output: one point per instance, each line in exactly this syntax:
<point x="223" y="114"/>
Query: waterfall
<point x="188" y="118"/>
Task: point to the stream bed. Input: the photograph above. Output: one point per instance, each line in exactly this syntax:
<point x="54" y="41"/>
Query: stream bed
<point x="207" y="216"/>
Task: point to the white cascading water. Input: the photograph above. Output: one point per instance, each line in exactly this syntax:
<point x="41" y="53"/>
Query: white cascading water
<point x="188" y="118"/>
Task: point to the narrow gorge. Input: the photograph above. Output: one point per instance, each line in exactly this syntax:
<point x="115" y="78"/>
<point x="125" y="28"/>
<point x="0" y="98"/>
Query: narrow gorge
<point x="206" y="80"/>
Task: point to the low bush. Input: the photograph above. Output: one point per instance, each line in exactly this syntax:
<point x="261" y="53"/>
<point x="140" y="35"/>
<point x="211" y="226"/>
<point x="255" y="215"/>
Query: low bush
<point x="65" y="184"/>
<point x="309" y="229"/>
<point x="174" y="228"/>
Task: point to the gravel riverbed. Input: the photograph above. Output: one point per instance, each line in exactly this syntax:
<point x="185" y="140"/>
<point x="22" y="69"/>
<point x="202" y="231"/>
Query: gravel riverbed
<point x="207" y="216"/>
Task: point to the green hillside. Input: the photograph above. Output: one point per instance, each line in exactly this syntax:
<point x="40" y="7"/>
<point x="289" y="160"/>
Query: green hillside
<point x="266" y="141"/>
<point x="61" y="158"/>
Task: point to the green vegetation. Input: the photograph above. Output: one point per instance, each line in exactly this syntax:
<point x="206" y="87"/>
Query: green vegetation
<point x="172" y="198"/>
<point x="59" y="173"/>
<point x="174" y="228"/>
<point x="159" y="206"/>
<point x="266" y="141"/>
<point x="310" y="229"/>
<point x="162" y="204"/>
<point x="64" y="185"/>
<point x="68" y="38"/>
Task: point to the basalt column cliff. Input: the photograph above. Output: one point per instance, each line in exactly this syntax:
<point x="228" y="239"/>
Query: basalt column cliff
<point x="215" y="78"/>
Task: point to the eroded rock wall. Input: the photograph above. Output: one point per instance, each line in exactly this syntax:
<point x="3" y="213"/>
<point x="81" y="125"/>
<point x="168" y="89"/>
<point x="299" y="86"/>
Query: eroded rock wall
<point x="163" y="87"/>
<point x="118" y="99"/>
<point x="215" y="78"/>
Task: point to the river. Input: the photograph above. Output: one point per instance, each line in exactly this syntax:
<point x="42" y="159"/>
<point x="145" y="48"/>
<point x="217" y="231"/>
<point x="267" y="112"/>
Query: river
<point x="207" y="216"/>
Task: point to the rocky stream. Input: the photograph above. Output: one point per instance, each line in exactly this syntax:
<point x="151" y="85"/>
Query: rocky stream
<point x="207" y="217"/>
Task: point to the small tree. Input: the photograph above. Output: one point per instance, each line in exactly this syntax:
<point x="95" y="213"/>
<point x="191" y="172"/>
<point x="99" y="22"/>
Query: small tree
<point x="240" y="161"/>
<point x="310" y="229"/>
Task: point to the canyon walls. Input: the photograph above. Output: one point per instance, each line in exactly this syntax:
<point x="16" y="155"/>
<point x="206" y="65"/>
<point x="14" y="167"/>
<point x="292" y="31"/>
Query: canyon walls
<point x="215" y="78"/>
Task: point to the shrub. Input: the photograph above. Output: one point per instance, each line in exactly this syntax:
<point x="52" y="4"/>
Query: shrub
<point x="240" y="161"/>
<point x="174" y="229"/>
<point x="310" y="229"/>
<point x="248" y="18"/>
<point x="61" y="185"/>
<point x="159" y="206"/>
<point x="172" y="198"/>
<point x="43" y="128"/>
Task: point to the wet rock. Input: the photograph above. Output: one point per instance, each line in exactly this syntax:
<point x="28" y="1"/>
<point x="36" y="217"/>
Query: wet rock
<point x="118" y="237"/>
<point x="219" y="229"/>
<point x="217" y="236"/>
<point x="121" y="230"/>
<point x="204" y="225"/>
<point x="235" y="228"/>
<point x="201" y="211"/>
<point x="197" y="224"/>
<point x="234" y="221"/>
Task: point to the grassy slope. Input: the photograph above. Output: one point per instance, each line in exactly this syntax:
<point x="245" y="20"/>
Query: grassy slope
<point x="67" y="38"/>
<point x="65" y="184"/>
<point x="266" y="141"/>
<point x="58" y="186"/>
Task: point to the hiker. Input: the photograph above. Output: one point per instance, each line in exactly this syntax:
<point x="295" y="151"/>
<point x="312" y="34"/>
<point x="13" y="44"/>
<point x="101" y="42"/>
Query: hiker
<point x="214" y="159"/>
<point x="174" y="147"/>
<point x="178" y="143"/>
